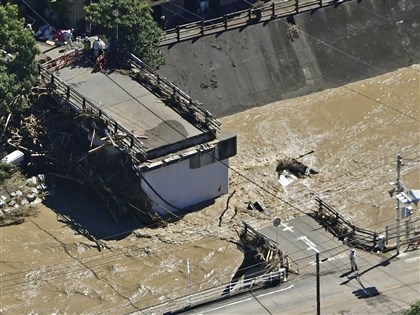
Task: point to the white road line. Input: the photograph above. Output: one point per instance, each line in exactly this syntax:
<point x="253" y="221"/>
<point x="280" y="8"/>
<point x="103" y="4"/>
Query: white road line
<point x="339" y="256"/>
<point x="227" y="305"/>
<point x="410" y="259"/>
<point x="308" y="242"/>
<point x="277" y="291"/>
<point x="247" y="299"/>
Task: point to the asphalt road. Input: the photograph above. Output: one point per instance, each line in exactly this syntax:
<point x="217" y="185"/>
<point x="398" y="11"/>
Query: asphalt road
<point x="384" y="283"/>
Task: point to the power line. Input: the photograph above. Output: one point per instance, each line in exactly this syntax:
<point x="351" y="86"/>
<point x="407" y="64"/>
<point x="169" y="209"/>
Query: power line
<point x="323" y="76"/>
<point x="245" y="178"/>
<point x="227" y="166"/>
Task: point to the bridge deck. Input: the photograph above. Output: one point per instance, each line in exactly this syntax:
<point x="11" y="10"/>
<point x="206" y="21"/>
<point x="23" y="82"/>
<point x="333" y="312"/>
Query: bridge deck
<point x="303" y="237"/>
<point x="129" y="103"/>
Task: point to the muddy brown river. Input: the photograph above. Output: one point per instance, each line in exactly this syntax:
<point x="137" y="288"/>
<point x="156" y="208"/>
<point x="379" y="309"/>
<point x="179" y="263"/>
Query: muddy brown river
<point x="355" y="133"/>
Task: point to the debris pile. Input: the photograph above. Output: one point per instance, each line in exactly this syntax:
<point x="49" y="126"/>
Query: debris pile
<point x="290" y="169"/>
<point x="78" y="147"/>
<point x="18" y="197"/>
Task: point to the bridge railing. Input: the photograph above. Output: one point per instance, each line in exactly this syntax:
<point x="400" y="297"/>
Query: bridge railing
<point x="275" y="9"/>
<point x="183" y="103"/>
<point x="217" y="293"/>
<point x="342" y="228"/>
<point x="128" y="142"/>
<point x="409" y="228"/>
<point x="274" y="249"/>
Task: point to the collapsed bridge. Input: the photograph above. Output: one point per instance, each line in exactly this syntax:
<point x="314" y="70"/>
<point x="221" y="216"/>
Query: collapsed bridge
<point x="168" y="144"/>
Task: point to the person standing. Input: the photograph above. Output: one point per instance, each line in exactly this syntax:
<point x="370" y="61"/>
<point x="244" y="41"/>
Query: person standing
<point x="68" y="37"/>
<point x="97" y="47"/>
<point x="352" y="257"/>
<point x="86" y="45"/>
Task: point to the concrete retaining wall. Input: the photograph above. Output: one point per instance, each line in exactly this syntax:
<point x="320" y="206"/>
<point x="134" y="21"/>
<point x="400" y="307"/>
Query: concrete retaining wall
<point x="258" y="64"/>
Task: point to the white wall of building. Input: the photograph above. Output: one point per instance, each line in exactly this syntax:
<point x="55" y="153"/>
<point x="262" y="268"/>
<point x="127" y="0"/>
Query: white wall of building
<point x="183" y="186"/>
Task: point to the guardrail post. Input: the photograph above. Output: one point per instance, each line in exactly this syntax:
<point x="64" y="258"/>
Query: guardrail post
<point x="68" y="92"/>
<point x="386" y="235"/>
<point x="225" y="21"/>
<point x="273" y="10"/>
<point x="158" y="80"/>
<point x="320" y="3"/>
<point x="178" y="33"/>
<point x="375" y="237"/>
<point x="297" y="6"/>
<point x="131" y="142"/>
<point x="100" y="113"/>
<point x="52" y="80"/>
<point x="173" y="91"/>
<point x="84" y="104"/>
<point x="202" y="27"/>
<point x="249" y="15"/>
<point x="115" y="127"/>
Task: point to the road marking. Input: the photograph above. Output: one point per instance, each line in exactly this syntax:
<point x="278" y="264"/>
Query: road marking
<point x="277" y="291"/>
<point x="308" y="242"/>
<point x="229" y="304"/>
<point x="247" y="299"/>
<point x="287" y="228"/>
<point x="410" y="259"/>
<point x="339" y="256"/>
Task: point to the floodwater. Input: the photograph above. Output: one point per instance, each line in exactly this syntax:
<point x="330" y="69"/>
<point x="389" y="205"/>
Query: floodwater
<point x="355" y="133"/>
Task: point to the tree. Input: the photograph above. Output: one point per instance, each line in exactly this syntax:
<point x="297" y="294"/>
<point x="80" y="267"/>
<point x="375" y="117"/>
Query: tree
<point x="131" y="24"/>
<point x="414" y="309"/>
<point x="17" y="60"/>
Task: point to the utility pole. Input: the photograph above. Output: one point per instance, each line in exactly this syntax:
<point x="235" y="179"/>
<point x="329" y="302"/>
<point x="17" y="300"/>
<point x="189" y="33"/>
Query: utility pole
<point x="318" y="301"/>
<point x="399" y="190"/>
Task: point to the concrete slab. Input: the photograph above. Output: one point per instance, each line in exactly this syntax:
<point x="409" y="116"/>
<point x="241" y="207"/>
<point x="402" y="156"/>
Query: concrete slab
<point x="303" y="237"/>
<point x="129" y="103"/>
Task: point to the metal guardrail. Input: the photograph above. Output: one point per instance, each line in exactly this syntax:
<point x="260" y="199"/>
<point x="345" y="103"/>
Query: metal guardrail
<point x="214" y="294"/>
<point x="129" y="143"/>
<point x="286" y="261"/>
<point x="277" y="9"/>
<point x="343" y="229"/>
<point x="248" y="282"/>
<point x="184" y="104"/>
<point x="409" y="228"/>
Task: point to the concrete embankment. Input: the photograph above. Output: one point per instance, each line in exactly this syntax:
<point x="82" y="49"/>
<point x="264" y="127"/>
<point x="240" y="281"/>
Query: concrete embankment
<point x="258" y="64"/>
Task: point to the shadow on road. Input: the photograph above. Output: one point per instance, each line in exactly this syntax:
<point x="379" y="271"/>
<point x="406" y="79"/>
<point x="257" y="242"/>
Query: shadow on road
<point x="383" y="263"/>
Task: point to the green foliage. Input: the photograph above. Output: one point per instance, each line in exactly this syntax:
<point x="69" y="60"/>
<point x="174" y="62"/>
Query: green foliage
<point x="413" y="310"/>
<point x="17" y="60"/>
<point x="6" y="170"/>
<point x="61" y="9"/>
<point x="137" y="30"/>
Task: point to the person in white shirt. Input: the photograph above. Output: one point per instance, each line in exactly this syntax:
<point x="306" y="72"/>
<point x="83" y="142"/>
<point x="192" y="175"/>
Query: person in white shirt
<point x="68" y="37"/>
<point x="352" y="257"/>
<point x="97" y="47"/>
